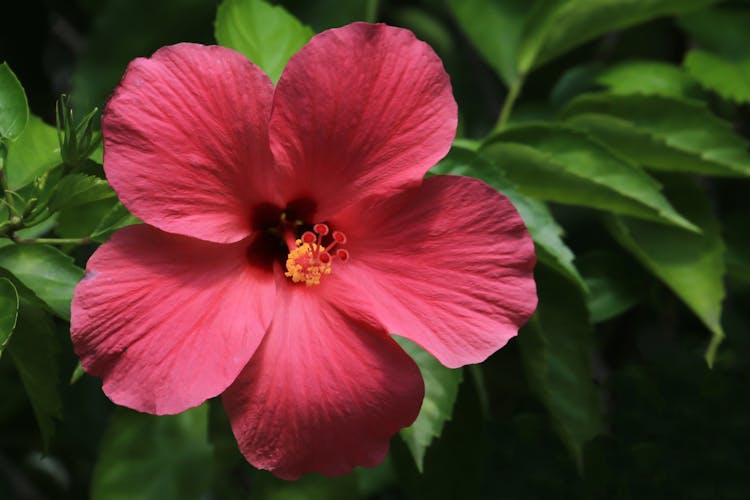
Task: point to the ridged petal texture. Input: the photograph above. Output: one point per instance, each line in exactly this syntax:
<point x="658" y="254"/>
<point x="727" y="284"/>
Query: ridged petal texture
<point x="326" y="391"/>
<point x="186" y="141"/>
<point x="448" y="265"/>
<point x="359" y="111"/>
<point x="220" y="166"/>
<point x="168" y="321"/>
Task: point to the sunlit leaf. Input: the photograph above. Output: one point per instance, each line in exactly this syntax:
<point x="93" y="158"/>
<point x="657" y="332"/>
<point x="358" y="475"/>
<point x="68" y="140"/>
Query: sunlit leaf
<point x="649" y="78"/>
<point x="722" y="62"/>
<point x="728" y="78"/>
<point x="79" y="189"/>
<point x="97" y="156"/>
<point x="556" y="349"/>
<point x="35" y="152"/>
<point x="555" y="163"/>
<point x="545" y="231"/>
<point x="663" y="133"/>
<point x="441" y="388"/>
<point x="8" y="311"/>
<point x="34" y="349"/>
<point x="691" y="264"/>
<point x="267" y="34"/>
<point x="154" y="457"/>
<point x="14" y="110"/>
<point x="48" y="272"/>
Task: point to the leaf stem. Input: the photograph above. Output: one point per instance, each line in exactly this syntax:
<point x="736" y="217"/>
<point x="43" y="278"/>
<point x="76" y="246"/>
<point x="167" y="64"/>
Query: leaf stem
<point x="713" y="347"/>
<point x="510" y="99"/>
<point x="4" y="182"/>
<point x="53" y="241"/>
<point x="371" y="11"/>
<point x="481" y="386"/>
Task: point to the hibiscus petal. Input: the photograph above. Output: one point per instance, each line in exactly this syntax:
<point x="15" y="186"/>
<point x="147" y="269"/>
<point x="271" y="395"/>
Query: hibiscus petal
<point x="325" y="392"/>
<point x="186" y="141"/>
<point x="168" y="321"/>
<point x="448" y="265"/>
<point x="361" y="110"/>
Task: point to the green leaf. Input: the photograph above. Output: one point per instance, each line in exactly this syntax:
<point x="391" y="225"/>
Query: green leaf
<point x="454" y="466"/>
<point x="692" y="265"/>
<point x="721" y="30"/>
<point x="663" y="133"/>
<point x="34" y="349"/>
<point x="556" y="26"/>
<point x="8" y="311"/>
<point x="38" y="230"/>
<point x="574" y="81"/>
<point x="728" y="78"/>
<point x="14" y="109"/>
<point x="79" y="189"/>
<point x="117" y="217"/>
<point x="615" y="284"/>
<point x="48" y="272"/>
<point x="97" y="155"/>
<point x="556" y="163"/>
<point x="547" y="235"/>
<point x="723" y="65"/>
<point x="80" y="221"/>
<point x="648" y="77"/>
<point x="153" y="458"/>
<point x="556" y="349"/>
<point x="35" y="152"/>
<point x="441" y="388"/>
<point x="268" y="35"/>
<point x="310" y="486"/>
<point x="737" y="241"/>
<point x="427" y="27"/>
<point x="77" y="373"/>
<point x="78" y="138"/>
<point x="545" y="231"/>
<point x="494" y="26"/>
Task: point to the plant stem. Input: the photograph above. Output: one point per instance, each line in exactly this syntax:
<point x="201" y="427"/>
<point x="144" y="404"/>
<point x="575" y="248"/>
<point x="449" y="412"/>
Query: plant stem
<point x="54" y="241"/>
<point x="713" y="347"/>
<point x="481" y="386"/>
<point x="371" y="11"/>
<point x="510" y="100"/>
<point x="4" y="182"/>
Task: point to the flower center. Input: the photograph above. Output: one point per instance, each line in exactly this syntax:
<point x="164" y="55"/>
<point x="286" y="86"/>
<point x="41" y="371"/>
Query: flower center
<point x="309" y="259"/>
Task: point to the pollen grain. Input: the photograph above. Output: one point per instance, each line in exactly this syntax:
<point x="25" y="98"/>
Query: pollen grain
<point x="307" y="263"/>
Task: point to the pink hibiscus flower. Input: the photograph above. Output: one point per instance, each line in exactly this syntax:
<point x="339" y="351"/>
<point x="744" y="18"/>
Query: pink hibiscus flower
<point x="288" y="232"/>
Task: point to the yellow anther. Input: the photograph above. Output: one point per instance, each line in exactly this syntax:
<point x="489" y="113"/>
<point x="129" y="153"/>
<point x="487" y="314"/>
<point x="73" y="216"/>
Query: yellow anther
<point x="304" y="265"/>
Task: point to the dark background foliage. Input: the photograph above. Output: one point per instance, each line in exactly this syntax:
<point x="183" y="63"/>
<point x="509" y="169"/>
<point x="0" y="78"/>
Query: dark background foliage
<point x="605" y="395"/>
